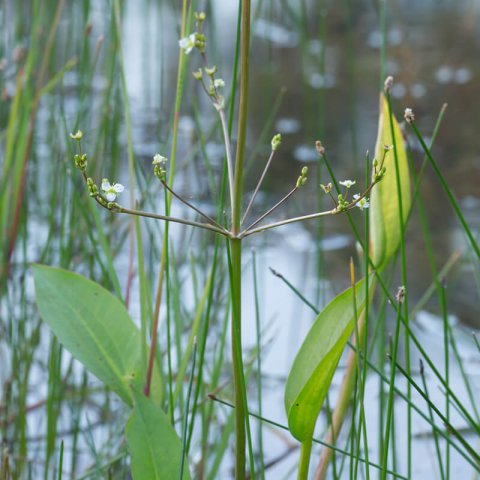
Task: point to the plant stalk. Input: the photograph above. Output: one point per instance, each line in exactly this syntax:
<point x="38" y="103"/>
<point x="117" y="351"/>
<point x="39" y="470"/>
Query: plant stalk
<point x="236" y="253"/>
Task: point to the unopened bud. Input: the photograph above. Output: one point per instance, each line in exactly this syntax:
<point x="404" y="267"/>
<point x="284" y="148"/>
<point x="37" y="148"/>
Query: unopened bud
<point x="301" y="181"/>
<point x="211" y="70"/>
<point x="388" y="84"/>
<point x="198" y="74"/>
<point x="276" y="141"/>
<point x="400" y="296"/>
<point x="326" y="188"/>
<point x="409" y="115"/>
<point x="320" y="148"/>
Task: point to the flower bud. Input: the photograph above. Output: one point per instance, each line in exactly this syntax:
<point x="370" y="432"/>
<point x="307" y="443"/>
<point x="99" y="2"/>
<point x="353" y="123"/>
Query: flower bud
<point x="320" y="148"/>
<point x="210" y="71"/>
<point x="276" y="141"/>
<point x="388" y="85"/>
<point x="409" y="115"/>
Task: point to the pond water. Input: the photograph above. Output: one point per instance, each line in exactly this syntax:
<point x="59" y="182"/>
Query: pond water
<point x="320" y="65"/>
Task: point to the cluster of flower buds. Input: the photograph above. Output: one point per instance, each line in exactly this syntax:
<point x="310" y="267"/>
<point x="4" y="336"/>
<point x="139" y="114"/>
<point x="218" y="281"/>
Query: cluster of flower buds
<point x="380" y="169"/>
<point x="302" y="179"/>
<point x="196" y="39"/>
<point x="80" y="161"/>
<point x="214" y="85"/>
<point x="109" y="191"/>
<point x="159" y="169"/>
<point x="342" y="203"/>
<point x="92" y="187"/>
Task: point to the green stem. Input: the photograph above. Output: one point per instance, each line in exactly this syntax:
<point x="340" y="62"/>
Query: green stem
<point x="241" y="423"/>
<point x="449" y="193"/>
<point x="305" y="453"/>
<point x="238" y="377"/>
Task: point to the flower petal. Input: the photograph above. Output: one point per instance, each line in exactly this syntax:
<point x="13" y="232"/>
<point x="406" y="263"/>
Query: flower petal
<point x="111" y="196"/>
<point x="118" y="187"/>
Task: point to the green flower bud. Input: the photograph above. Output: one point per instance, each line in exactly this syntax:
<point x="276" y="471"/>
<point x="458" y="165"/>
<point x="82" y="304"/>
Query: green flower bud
<point x="92" y="188"/>
<point x="276" y="141"/>
<point x="211" y="71"/>
<point x="198" y="74"/>
<point x="200" y="16"/>
<point x="326" y="188"/>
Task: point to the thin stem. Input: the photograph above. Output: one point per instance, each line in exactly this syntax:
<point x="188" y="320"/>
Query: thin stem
<point x="238" y="377"/>
<point x="187" y="407"/>
<point x="401" y="221"/>
<point x="450" y="428"/>
<point x="447" y="190"/>
<point x="228" y="150"/>
<point x="173" y="155"/>
<point x="167" y="218"/>
<point x="432" y="421"/>
<point x="391" y="383"/>
<point x="335" y="211"/>
<point x="259" y="364"/>
<point x="269" y="226"/>
<point x="241" y="420"/>
<point x="314" y="440"/>
<point x="268" y="212"/>
<point x="193" y="207"/>
<point x="257" y="188"/>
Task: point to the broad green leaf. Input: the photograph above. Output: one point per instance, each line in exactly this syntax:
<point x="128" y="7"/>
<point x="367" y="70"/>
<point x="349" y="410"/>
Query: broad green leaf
<point x="317" y="359"/>
<point x="95" y="327"/>
<point x="155" y="448"/>
<point x="385" y="231"/>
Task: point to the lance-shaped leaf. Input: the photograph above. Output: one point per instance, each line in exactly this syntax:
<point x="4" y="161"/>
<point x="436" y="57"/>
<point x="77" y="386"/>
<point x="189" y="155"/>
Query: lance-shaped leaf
<point x="385" y="229"/>
<point x="155" y="448"/>
<point x="95" y="327"/>
<point x="317" y="359"/>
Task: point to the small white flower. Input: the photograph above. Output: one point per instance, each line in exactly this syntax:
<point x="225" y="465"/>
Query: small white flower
<point x="219" y="83"/>
<point x="111" y="191"/>
<point x="362" y="203"/>
<point x="348" y="183"/>
<point x="77" y="135"/>
<point x="159" y="159"/>
<point x="188" y="43"/>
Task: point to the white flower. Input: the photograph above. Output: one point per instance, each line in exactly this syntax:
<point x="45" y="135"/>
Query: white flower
<point x="348" y="183"/>
<point x="362" y="203"/>
<point x="77" y="135"/>
<point x="188" y="43"/>
<point x="219" y="83"/>
<point x="111" y="191"/>
<point x="159" y="159"/>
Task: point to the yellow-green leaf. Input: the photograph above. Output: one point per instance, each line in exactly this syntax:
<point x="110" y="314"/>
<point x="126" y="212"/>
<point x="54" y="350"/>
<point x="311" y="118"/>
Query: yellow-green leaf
<point x="385" y="229"/>
<point x="317" y="359"/>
